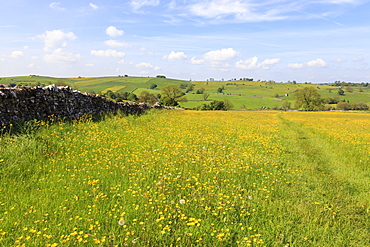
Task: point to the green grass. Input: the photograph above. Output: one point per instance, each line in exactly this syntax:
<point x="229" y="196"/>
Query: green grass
<point x="189" y="178"/>
<point x="253" y="95"/>
<point x="239" y="102"/>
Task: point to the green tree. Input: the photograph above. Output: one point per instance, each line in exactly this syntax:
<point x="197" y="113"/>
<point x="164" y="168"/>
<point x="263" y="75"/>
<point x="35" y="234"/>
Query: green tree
<point x="146" y="97"/>
<point x="227" y="104"/>
<point x="216" y="105"/>
<point x="286" y="105"/>
<point x="340" y="91"/>
<point x="220" y="89"/>
<point x="205" y="96"/>
<point x="189" y="88"/>
<point x="171" y="95"/>
<point x="132" y="97"/>
<point x="309" y="99"/>
<point x="349" y="89"/>
<point x="200" y="91"/>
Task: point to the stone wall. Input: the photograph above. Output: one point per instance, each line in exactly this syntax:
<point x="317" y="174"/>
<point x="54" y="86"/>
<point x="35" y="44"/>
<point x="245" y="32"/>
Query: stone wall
<point x="27" y="103"/>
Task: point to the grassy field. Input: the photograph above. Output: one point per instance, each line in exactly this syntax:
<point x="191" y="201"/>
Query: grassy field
<point x="188" y="178"/>
<point x="242" y="94"/>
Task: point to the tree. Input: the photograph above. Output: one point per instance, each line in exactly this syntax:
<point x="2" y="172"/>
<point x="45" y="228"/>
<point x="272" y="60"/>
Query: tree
<point x="309" y="99"/>
<point x="286" y="105"/>
<point x="171" y="95"/>
<point x="189" y="88"/>
<point x="200" y="91"/>
<point x="349" y="89"/>
<point x="340" y="91"/>
<point x="132" y="97"/>
<point x="205" y="96"/>
<point x="216" y="105"/>
<point x="153" y="85"/>
<point x="146" y="97"/>
<point x="220" y="89"/>
<point x="227" y="104"/>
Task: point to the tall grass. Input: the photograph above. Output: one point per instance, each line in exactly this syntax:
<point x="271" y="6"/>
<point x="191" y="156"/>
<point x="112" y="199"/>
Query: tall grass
<point x="186" y="178"/>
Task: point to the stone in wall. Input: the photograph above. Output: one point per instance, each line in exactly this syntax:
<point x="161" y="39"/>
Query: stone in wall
<point x="27" y="103"/>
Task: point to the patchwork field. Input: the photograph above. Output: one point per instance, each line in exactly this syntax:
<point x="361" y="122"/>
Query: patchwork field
<point x="242" y="94"/>
<point x="188" y="178"/>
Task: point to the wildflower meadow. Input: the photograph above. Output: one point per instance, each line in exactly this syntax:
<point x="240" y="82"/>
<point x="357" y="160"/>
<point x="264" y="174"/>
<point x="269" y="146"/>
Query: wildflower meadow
<point x="189" y="178"/>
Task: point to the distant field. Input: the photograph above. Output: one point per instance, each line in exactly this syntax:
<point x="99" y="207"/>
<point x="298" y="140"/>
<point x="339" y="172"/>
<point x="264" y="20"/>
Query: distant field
<point x="242" y="94"/>
<point x="114" y="89"/>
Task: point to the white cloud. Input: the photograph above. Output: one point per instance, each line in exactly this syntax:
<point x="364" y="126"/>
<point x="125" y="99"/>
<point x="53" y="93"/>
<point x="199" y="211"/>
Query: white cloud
<point x="56" y="38"/>
<point x="113" y="31"/>
<point x="55" y="5"/>
<point x="34" y="57"/>
<point x="215" y="8"/>
<point x="357" y="59"/>
<point x="26" y="47"/>
<point x="122" y="61"/>
<point x="252" y="63"/>
<point x="175" y="56"/>
<point x="318" y="63"/>
<point x="95" y="7"/>
<point x="339" y="60"/>
<point x="107" y="53"/>
<point x="271" y="61"/>
<point x="221" y="55"/>
<point x="137" y="4"/>
<point x="361" y="67"/>
<point x="250" y="11"/>
<point x="256" y="10"/>
<point x="218" y="64"/>
<point x="115" y="43"/>
<point x="146" y="66"/>
<point x="16" y="54"/>
<point x="197" y="61"/>
<point x="2" y="59"/>
<point x="340" y="1"/>
<point x="89" y="65"/>
<point x="59" y="56"/>
<point x="296" y="65"/>
<point x="172" y="4"/>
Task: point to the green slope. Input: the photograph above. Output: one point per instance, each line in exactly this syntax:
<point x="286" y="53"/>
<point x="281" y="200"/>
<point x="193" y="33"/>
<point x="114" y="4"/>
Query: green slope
<point x="242" y="94"/>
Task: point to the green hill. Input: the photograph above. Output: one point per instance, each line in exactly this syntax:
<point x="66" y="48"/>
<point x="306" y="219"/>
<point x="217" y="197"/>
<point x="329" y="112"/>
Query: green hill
<point x="242" y="94"/>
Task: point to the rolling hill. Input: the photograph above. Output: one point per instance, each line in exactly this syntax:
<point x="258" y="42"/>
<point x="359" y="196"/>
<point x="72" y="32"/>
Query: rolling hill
<point x="242" y="94"/>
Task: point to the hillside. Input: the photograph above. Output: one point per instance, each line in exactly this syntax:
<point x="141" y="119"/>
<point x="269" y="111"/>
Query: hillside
<point x="242" y="94"/>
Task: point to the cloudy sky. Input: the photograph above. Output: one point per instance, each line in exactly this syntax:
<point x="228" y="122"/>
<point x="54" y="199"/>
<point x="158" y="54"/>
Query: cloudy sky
<point x="281" y="40"/>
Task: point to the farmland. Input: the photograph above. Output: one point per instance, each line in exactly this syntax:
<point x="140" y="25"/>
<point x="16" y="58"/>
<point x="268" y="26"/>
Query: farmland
<point x="189" y="178"/>
<point x="242" y="94"/>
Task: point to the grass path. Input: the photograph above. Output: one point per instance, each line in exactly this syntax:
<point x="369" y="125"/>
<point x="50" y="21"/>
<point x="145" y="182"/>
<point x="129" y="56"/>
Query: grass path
<point x="327" y="182"/>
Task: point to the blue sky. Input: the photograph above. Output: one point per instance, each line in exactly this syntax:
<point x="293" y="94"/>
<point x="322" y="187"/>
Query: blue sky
<point x="281" y="40"/>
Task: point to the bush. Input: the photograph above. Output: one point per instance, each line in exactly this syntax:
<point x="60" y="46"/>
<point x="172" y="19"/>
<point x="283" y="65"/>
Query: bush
<point x="359" y="106"/>
<point x="216" y="105"/>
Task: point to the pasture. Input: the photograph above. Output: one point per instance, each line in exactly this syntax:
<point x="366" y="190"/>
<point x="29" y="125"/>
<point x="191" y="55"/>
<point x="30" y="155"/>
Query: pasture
<point x="188" y="178"/>
<point x="242" y="94"/>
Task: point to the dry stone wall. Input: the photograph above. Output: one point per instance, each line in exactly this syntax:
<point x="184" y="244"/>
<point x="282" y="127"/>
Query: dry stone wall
<point x="27" y="103"/>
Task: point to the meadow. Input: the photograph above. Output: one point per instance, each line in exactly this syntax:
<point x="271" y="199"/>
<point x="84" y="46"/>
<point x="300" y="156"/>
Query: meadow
<point x="242" y="94"/>
<point x="188" y="178"/>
